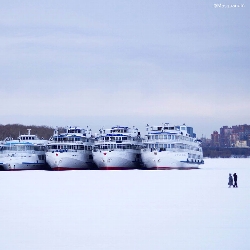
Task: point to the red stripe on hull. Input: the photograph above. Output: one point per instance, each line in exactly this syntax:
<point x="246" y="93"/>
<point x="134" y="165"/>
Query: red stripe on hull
<point x="172" y="168"/>
<point x="64" y="169"/>
<point x="116" y="168"/>
<point x="25" y="169"/>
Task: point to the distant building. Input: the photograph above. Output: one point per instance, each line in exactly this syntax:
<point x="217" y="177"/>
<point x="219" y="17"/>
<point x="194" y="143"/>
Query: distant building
<point x="190" y="131"/>
<point x="241" y="144"/>
<point x="205" y="142"/>
<point x="225" y="133"/>
<point x="215" y="139"/>
<point x="233" y="138"/>
<point x="236" y="136"/>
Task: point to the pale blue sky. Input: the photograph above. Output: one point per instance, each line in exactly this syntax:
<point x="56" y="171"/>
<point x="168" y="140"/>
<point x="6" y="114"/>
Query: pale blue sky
<point x="105" y="63"/>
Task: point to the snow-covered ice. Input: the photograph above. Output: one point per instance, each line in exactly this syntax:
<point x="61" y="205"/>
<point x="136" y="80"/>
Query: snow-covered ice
<point x="118" y="210"/>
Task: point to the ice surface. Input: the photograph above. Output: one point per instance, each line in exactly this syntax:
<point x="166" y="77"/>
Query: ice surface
<point x="134" y="209"/>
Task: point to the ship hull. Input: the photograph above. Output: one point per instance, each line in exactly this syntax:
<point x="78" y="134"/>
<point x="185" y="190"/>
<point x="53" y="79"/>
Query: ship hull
<point x="22" y="163"/>
<point x="69" y="160"/>
<point x="117" y="160"/>
<point x="167" y="160"/>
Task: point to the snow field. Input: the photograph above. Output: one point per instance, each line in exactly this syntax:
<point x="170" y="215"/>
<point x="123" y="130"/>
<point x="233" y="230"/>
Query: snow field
<point x="127" y="210"/>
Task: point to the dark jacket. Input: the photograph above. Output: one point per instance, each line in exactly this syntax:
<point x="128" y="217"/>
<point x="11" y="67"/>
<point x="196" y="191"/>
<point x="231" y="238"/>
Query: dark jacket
<point x="230" y="180"/>
<point x="235" y="176"/>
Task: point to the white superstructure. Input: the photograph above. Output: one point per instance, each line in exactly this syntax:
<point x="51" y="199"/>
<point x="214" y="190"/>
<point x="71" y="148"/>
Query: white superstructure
<point x="171" y="147"/>
<point x="70" y="150"/>
<point x="25" y="153"/>
<point x="118" y="148"/>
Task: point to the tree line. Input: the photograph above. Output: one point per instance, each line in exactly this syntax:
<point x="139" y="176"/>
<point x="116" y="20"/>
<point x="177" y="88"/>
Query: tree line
<point x="14" y="130"/>
<point x="218" y="152"/>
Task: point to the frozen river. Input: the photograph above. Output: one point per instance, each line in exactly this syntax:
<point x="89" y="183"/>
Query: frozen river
<point x="116" y="210"/>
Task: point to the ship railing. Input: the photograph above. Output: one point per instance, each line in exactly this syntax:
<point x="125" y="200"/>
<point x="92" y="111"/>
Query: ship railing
<point x="173" y="147"/>
<point x="95" y="149"/>
<point x="71" y="142"/>
<point x="115" y="149"/>
<point x="119" y="141"/>
<point x="177" y="149"/>
<point x="190" y="140"/>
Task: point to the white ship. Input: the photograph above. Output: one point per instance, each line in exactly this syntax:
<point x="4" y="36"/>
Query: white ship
<point x="118" y="148"/>
<point x="25" y="153"/>
<point x="171" y="147"/>
<point x="71" y="150"/>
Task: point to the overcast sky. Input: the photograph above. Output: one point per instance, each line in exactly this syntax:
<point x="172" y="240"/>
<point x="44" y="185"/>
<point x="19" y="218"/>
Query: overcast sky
<point x="103" y="63"/>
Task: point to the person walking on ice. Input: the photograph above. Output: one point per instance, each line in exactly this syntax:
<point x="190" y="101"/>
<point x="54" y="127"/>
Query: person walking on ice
<point x="235" y="180"/>
<point x="230" y="181"/>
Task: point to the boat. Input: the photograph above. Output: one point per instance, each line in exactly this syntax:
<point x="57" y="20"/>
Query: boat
<point x="171" y="147"/>
<point x="118" y="148"/>
<point x="25" y="153"/>
<point x="70" y="150"/>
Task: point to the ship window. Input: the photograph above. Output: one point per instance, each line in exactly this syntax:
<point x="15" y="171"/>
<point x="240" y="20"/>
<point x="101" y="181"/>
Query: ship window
<point x="156" y="137"/>
<point x="160" y="136"/>
<point x="124" y="138"/>
<point x="169" y="137"/>
<point x="172" y="145"/>
<point x="165" y="145"/>
<point x="160" y="145"/>
<point x="173" y="137"/>
<point x="165" y="137"/>
<point x="106" y="138"/>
